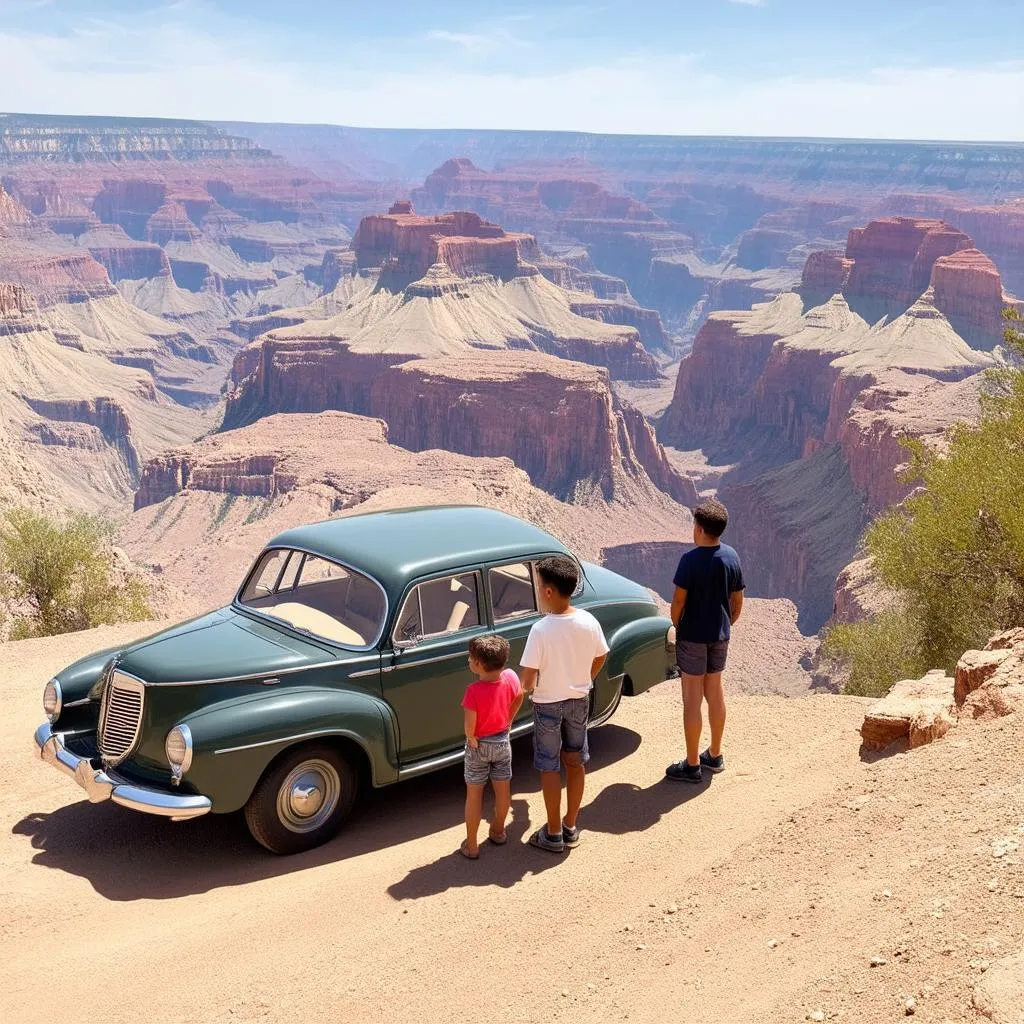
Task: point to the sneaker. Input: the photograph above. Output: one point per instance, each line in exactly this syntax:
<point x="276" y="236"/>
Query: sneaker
<point x="713" y="764"/>
<point x="570" y="836"/>
<point x="543" y="841"/>
<point x="683" y="771"/>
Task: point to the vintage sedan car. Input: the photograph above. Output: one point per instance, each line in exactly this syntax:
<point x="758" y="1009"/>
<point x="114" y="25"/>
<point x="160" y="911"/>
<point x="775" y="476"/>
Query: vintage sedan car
<point x="340" y="663"/>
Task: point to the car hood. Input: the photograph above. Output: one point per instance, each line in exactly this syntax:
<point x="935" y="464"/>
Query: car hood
<point x="606" y="585"/>
<point x="222" y="645"/>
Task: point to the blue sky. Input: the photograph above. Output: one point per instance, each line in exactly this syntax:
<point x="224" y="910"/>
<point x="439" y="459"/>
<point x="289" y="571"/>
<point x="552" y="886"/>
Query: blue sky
<point x="843" y="68"/>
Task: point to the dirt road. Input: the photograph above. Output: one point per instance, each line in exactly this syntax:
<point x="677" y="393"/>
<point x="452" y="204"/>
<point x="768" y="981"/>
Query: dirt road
<point x="761" y="896"/>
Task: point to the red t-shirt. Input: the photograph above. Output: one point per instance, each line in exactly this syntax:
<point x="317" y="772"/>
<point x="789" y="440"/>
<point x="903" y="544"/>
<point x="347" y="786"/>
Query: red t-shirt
<point x="493" y="702"/>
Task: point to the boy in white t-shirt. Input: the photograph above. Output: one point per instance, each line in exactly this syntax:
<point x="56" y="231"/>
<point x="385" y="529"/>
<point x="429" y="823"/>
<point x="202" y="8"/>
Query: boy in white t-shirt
<point x="564" y="653"/>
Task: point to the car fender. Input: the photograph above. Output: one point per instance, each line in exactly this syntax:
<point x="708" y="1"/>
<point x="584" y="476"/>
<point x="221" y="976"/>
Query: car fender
<point x="235" y="740"/>
<point x="639" y="650"/>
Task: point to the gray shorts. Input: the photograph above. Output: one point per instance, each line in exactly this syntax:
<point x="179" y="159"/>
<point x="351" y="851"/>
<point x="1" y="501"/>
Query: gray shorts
<point x="489" y="759"/>
<point x="701" y="659"/>
<point x="559" y="727"/>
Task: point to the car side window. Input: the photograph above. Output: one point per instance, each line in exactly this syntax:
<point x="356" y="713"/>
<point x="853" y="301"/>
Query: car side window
<point x="438" y="607"/>
<point x="512" y="591"/>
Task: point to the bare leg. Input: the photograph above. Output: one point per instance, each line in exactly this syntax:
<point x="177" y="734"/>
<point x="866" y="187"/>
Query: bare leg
<point x="474" y="811"/>
<point x="551" y="786"/>
<point x="693" y="722"/>
<point x="502" y="803"/>
<point x="575" y="777"/>
<point x="714" y="694"/>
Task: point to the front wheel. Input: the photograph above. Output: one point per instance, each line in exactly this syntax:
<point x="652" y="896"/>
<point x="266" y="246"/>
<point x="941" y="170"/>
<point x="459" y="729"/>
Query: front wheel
<point x="303" y="799"/>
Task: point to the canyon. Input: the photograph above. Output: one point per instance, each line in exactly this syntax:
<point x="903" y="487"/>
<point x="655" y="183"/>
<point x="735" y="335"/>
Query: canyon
<point x="632" y="322"/>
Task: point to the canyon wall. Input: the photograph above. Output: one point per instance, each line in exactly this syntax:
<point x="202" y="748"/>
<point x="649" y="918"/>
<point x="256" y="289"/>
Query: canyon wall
<point x="807" y="405"/>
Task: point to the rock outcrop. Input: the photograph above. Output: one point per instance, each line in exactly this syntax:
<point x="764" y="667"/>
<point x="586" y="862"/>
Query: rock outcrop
<point x="990" y="683"/>
<point x="917" y="711"/>
<point x="987" y="684"/>
<point x="891" y="263"/>
<point x="967" y="289"/>
<point x="556" y="419"/>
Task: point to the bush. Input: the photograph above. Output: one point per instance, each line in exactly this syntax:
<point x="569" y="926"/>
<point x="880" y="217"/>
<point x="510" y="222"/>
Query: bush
<point x="62" y="576"/>
<point x="952" y="553"/>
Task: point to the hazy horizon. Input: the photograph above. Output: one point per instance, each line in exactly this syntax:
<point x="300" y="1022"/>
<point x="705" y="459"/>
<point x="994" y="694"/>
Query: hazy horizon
<point x="924" y="70"/>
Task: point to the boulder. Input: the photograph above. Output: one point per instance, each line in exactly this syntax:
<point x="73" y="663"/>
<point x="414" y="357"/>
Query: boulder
<point x="999" y="994"/>
<point x="990" y="683"/>
<point x="917" y="710"/>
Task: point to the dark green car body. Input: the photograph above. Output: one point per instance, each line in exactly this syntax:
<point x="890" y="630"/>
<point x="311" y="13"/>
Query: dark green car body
<point x="250" y="687"/>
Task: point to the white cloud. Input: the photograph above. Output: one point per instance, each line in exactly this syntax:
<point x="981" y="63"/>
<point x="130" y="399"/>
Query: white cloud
<point x="465" y="39"/>
<point x="173" y="71"/>
<point x="750" y="3"/>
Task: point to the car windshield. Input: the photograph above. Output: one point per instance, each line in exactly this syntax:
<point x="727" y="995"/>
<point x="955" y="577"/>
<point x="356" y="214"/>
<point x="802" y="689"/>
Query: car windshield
<point x="317" y="596"/>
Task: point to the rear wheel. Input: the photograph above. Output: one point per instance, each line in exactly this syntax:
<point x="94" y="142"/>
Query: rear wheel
<point x="302" y="799"/>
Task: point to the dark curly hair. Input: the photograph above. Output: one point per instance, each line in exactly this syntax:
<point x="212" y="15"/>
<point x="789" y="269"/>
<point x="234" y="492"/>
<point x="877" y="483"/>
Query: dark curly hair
<point x="712" y="517"/>
<point x="560" y="572"/>
<point x="490" y="651"/>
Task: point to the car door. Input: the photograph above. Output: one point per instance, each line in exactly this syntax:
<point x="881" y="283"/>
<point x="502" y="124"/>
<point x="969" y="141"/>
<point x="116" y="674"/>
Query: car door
<point x="512" y="599"/>
<point x="424" y="682"/>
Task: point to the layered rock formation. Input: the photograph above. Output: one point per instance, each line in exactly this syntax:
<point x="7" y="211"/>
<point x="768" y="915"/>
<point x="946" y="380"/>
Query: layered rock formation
<point x="809" y="406"/>
<point x="891" y="263"/>
<point x="486" y="297"/>
<point x="212" y="504"/>
<point x="74" y="426"/>
<point x="555" y="419"/>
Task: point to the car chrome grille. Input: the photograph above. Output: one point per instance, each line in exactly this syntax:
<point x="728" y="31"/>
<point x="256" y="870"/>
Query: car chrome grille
<point x="120" y="717"/>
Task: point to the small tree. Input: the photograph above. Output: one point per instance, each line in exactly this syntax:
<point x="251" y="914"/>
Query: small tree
<point x="62" y="576"/>
<point x="952" y="555"/>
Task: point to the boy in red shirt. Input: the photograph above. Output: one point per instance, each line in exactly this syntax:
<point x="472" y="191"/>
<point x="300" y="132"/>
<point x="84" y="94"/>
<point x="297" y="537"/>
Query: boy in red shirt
<point x="491" y="703"/>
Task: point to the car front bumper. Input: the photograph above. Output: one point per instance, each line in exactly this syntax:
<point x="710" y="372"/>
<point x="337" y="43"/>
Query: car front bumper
<point x="104" y="784"/>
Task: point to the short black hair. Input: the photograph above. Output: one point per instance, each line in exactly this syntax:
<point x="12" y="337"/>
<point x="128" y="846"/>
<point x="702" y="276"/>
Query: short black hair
<point x="490" y="651"/>
<point x="560" y="572"/>
<point x="712" y="517"/>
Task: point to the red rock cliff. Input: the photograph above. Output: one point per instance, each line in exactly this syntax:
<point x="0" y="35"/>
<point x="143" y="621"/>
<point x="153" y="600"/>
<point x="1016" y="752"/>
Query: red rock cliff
<point x="893" y="258"/>
<point x="409" y="244"/>
<point x="967" y="288"/>
<point x="556" y="419"/>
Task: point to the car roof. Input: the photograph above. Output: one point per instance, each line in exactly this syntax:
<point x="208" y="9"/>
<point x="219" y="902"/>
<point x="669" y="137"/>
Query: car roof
<point x="401" y="544"/>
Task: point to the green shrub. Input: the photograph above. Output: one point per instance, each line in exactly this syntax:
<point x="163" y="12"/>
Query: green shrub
<point x="952" y="553"/>
<point x="61" y="576"/>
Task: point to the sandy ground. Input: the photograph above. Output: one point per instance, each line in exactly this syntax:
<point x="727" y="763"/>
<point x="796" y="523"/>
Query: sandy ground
<point x="760" y="896"/>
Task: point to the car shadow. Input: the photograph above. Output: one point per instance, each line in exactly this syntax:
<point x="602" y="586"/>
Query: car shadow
<point x="125" y="855"/>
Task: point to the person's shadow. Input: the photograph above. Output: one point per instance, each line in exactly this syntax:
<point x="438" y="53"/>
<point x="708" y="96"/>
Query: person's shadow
<point x="624" y="807"/>
<point x="620" y="808"/>
<point x="503" y="866"/>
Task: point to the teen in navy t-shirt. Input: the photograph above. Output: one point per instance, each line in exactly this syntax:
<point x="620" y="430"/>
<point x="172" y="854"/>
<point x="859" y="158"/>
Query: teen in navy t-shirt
<point x="707" y="601"/>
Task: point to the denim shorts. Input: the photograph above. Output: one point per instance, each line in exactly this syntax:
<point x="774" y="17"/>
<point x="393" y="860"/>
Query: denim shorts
<point x="489" y="759"/>
<point x="696" y="659"/>
<point x="559" y="727"/>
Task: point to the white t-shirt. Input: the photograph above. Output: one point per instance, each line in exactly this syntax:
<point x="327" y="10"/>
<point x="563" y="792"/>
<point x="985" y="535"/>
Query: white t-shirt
<point x="562" y="648"/>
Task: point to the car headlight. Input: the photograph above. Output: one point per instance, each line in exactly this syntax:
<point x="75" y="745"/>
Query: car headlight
<point x="670" y="639"/>
<point x="178" y="749"/>
<point x="53" y="700"/>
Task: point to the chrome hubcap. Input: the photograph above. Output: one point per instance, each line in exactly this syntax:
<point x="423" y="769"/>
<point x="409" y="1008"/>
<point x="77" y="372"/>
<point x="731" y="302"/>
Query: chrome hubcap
<point x="309" y="795"/>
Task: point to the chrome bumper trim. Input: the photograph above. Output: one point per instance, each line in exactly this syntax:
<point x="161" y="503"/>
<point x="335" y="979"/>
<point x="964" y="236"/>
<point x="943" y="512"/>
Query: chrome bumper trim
<point x="100" y="785"/>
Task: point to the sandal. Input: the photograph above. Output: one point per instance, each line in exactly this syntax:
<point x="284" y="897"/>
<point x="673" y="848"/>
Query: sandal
<point x="464" y="850"/>
<point x="499" y="840"/>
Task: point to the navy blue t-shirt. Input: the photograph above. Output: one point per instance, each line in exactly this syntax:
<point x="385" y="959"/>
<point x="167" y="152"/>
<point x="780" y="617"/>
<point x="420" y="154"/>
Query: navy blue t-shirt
<point x="709" y="576"/>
